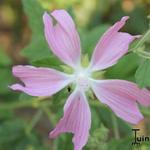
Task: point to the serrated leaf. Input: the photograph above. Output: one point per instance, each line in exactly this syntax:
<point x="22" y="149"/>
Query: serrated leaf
<point x="143" y="74"/>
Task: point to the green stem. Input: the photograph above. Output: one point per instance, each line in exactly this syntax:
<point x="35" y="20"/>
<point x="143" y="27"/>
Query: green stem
<point x="141" y="42"/>
<point x="115" y="127"/>
<point x="49" y="114"/>
<point x="143" y="54"/>
<point x="34" y="121"/>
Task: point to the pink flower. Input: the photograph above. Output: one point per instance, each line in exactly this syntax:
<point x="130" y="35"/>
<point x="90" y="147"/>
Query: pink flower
<point x="121" y="96"/>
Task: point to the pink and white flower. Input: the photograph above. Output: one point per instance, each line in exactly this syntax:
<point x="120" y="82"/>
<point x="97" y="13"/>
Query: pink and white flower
<point x="120" y="95"/>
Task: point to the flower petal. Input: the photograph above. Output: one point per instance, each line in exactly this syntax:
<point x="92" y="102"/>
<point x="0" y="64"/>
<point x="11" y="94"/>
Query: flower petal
<point x="76" y="119"/>
<point x="143" y="97"/>
<point x="39" y="81"/>
<point x="121" y="97"/>
<point x="111" y="47"/>
<point x="63" y="38"/>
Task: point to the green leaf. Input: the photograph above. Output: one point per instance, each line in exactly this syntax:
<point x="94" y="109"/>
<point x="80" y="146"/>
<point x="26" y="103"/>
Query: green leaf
<point x="38" y="48"/>
<point x="125" y="68"/>
<point x="49" y="61"/>
<point x="143" y="74"/>
<point x="89" y="39"/>
<point x="34" y="12"/>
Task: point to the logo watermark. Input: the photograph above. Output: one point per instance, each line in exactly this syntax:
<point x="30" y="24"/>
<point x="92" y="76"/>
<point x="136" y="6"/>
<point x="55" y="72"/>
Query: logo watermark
<point x="138" y="140"/>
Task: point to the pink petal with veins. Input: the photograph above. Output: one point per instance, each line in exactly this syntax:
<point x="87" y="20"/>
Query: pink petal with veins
<point x="39" y="81"/>
<point x="63" y="38"/>
<point x="76" y="119"/>
<point x="121" y="97"/>
<point x="111" y="47"/>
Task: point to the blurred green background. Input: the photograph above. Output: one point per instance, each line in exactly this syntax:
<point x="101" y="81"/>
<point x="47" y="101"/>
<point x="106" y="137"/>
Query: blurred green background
<point x="25" y="121"/>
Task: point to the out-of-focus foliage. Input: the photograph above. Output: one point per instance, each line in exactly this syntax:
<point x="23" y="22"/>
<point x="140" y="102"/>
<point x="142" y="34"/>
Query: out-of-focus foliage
<point x="18" y="139"/>
<point x="35" y="19"/>
<point x="5" y="62"/>
<point x="24" y="120"/>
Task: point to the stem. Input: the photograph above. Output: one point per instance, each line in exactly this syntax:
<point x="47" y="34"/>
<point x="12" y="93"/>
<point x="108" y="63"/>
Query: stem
<point x="55" y="146"/>
<point x="115" y="127"/>
<point x="34" y="121"/>
<point x="143" y="54"/>
<point x="141" y="42"/>
<point x="49" y="114"/>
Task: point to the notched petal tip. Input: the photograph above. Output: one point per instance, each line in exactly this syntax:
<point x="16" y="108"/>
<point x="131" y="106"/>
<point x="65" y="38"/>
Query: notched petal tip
<point x="16" y="87"/>
<point x="125" y="18"/>
<point x="62" y="36"/>
<point x="64" y="19"/>
<point x="45" y="15"/>
<point x="20" y="68"/>
<point x="15" y="69"/>
<point x="137" y="36"/>
<point x="52" y="134"/>
<point x="76" y="120"/>
<point x="47" y="18"/>
<point x="56" y="11"/>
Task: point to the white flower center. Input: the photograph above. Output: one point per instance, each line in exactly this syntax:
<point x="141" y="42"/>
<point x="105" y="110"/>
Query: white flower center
<point x="82" y="79"/>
